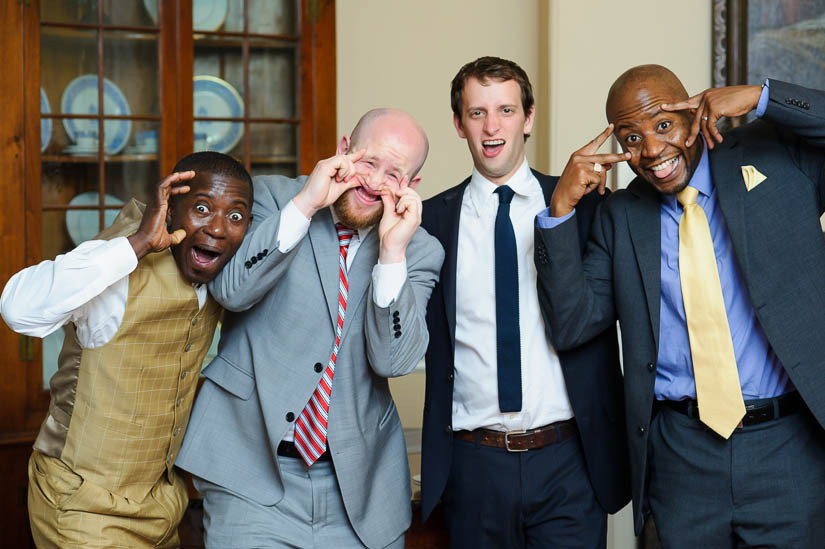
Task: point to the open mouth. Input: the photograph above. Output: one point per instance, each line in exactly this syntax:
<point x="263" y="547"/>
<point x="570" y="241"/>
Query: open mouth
<point x="366" y="196"/>
<point x="492" y="147"/>
<point x="664" y="170"/>
<point x="204" y="257"/>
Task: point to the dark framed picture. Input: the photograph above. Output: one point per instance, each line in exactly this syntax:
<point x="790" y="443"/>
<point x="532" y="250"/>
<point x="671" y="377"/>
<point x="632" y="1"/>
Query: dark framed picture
<point x="758" y="39"/>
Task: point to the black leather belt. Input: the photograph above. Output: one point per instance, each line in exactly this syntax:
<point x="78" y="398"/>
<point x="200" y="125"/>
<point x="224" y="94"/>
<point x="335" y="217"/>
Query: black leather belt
<point x="287" y="449"/>
<point x="756" y="411"/>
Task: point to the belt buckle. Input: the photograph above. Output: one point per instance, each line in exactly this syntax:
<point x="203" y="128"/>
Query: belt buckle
<point x="507" y="440"/>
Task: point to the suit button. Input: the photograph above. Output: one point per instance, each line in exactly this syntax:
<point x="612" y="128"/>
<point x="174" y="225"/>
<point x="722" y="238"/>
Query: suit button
<point x="650" y="367"/>
<point x="187" y="348"/>
<point x="179" y="402"/>
<point x="450" y="378"/>
<point x="290" y="417"/>
<point x="396" y="325"/>
<point x="266" y="251"/>
<point x="395" y="314"/>
<point x="194" y="322"/>
<point x="183" y="375"/>
<point x="318" y="367"/>
<point x="787" y="100"/>
<point x="176" y="432"/>
<point x="248" y="264"/>
<point x="642" y="430"/>
<point x="806" y="106"/>
<point x="253" y="259"/>
<point x="397" y="334"/>
<point x="448" y="428"/>
<point x="260" y="255"/>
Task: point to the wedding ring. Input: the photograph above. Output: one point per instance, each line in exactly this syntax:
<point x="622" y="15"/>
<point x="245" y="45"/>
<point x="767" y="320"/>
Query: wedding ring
<point x="705" y="118"/>
<point x="597" y="167"/>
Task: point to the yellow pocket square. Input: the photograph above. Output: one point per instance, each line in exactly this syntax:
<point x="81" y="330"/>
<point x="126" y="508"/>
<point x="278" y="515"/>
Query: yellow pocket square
<point x="752" y="177"/>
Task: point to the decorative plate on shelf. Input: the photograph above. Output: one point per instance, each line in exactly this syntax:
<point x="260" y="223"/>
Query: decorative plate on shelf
<point x="207" y="15"/>
<point x="45" y="123"/>
<point x="80" y="97"/>
<point x="83" y="225"/>
<point x="216" y="98"/>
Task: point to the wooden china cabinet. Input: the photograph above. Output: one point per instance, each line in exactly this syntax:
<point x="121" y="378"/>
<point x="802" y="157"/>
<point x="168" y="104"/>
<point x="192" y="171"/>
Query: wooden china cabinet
<point x="251" y="78"/>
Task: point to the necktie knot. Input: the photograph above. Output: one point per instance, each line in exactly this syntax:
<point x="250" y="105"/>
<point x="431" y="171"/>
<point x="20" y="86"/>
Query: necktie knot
<point x="344" y="235"/>
<point x="687" y="196"/>
<point x="505" y="194"/>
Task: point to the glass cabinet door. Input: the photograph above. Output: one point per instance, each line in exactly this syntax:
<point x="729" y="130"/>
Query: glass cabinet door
<point x="100" y="121"/>
<point x="246" y="72"/>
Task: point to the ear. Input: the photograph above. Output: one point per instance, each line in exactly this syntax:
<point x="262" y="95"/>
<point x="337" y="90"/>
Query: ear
<point x="458" y="128"/>
<point x="528" y="122"/>
<point x="414" y="182"/>
<point x="343" y="145"/>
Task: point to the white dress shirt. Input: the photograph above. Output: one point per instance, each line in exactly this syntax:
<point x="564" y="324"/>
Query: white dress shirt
<point x="475" y="389"/>
<point x="88" y="286"/>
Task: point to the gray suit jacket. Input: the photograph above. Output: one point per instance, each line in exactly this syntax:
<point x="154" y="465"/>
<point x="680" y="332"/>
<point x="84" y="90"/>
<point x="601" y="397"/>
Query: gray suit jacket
<point x="777" y="243"/>
<point x="281" y="314"/>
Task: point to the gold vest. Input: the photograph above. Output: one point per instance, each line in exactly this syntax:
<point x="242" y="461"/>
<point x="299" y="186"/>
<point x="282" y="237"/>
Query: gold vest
<point x="119" y="411"/>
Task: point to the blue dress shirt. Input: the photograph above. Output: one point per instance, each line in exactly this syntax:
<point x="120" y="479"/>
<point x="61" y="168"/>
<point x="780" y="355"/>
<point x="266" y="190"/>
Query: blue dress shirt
<point x="761" y="375"/>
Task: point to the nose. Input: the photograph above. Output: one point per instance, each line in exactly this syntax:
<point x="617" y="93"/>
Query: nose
<point x="491" y="124"/>
<point x="653" y="146"/>
<point x="216" y="227"/>
<point x="373" y="179"/>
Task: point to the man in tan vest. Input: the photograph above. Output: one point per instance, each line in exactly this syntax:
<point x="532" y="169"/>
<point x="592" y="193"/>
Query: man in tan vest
<point x="139" y="322"/>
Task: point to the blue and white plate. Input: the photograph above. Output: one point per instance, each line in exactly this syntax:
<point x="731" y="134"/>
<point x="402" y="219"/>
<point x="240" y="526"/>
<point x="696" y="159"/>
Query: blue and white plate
<point x="83" y="225"/>
<point x="45" y="123"/>
<point x="80" y="97"/>
<point x="207" y="15"/>
<point x="216" y="98"/>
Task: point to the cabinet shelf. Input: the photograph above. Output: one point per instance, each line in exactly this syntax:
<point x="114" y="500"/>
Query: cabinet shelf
<point x="92" y="159"/>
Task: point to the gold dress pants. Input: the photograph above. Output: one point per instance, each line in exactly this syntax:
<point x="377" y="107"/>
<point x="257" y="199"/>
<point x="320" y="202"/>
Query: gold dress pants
<point x="67" y="512"/>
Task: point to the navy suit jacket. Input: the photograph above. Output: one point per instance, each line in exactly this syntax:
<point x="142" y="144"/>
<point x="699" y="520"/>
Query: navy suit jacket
<point x="591" y="371"/>
<point x="777" y="243"/>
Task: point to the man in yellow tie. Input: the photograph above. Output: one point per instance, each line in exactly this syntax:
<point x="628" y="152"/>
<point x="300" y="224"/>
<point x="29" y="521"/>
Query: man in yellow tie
<point x="713" y="262"/>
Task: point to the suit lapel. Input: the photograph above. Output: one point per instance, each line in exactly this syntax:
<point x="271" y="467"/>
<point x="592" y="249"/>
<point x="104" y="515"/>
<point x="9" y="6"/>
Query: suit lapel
<point x="359" y="276"/>
<point x="644" y="224"/>
<point x="324" y="241"/>
<point x="726" y="174"/>
<point x="449" y="221"/>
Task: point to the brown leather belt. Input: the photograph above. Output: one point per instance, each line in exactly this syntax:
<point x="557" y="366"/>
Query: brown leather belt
<point x="521" y="441"/>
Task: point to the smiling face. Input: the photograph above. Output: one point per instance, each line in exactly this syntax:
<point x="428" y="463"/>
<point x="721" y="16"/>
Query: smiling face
<point x="494" y="124"/>
<point x="655" y="138"/>
<point x="395" y="148"/>
<point x="215" y="214"/>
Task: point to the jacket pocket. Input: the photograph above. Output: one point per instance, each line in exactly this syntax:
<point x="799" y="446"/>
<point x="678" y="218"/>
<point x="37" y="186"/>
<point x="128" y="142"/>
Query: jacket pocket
<point x="230" y="377"/>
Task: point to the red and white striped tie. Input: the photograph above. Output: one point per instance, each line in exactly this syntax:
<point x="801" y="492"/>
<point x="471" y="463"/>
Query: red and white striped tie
<point x="311" y="425"/>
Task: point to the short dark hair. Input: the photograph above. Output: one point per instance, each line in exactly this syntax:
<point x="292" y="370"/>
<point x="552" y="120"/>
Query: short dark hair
<point x="491" y="68"/>
<point x="214" y="163"/>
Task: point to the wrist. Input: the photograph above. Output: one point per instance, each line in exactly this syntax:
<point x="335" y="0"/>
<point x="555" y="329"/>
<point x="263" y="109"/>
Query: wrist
<point x="304" y="205"/>
<point x="140" y="244"/>
<point x="560" y="208"/>
<point x="391" y="254"/>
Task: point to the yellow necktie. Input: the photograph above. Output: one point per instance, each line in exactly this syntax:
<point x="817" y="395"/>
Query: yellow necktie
<point x="718" y="392"/>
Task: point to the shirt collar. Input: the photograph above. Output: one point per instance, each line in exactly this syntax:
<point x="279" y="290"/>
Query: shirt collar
<point x="480" y="189"/>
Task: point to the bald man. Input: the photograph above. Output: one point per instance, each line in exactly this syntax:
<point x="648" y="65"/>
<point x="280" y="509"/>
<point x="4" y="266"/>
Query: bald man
<point x="294" y="439"/>
<point x="713" y="262"/>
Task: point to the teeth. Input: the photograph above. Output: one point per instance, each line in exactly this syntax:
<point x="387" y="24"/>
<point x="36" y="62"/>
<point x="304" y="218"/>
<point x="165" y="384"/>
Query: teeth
<point x="493" y="142"/>
<point x="665" y="164"/>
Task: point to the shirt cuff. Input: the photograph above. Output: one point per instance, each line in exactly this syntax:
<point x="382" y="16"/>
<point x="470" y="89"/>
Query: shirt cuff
<point x="545" y="221"/>
<point x="292" y="227"/>
<point x="762" y="106"/>
<point x="117" y="258"/>
<point x="387" y="281"/>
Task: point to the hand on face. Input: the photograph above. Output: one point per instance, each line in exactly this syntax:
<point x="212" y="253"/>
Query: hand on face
<point x="329" y="180"/>
<point x="713" y="104"/>
<point x="581" y="175"/>
<point x="399" y="221"/>
<point x="152" y="235"/>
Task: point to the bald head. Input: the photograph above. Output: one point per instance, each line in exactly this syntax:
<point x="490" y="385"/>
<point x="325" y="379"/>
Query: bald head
<point x="639" y="82"/>
<point x="400" y="125"/>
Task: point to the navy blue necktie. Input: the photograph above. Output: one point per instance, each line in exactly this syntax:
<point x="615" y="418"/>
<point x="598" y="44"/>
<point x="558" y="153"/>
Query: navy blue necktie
<point x="508" y="338"/>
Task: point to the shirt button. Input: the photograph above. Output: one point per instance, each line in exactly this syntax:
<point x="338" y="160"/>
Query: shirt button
<point x="188" y="346"/>
<point x="650" y="367"/>
<point x="318" y="367"/>
<point x="176" y="432"/>
<point x="290" y="416"/>
<point x="179" y="402"/>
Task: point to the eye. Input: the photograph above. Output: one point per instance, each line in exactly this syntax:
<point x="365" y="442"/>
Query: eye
<point x="632" y="139"/>
<point x="393" y="176"/>
<point x="664" y="124"/>
<point x="236" y="217"/>
<point x="507" y="110"/>
<point x="201" y="208"/>
<point x="476" y="114"/>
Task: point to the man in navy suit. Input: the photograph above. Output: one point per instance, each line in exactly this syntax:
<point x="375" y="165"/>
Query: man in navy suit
<point x="718" y="464"/>
<point x="524" y="444"/>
